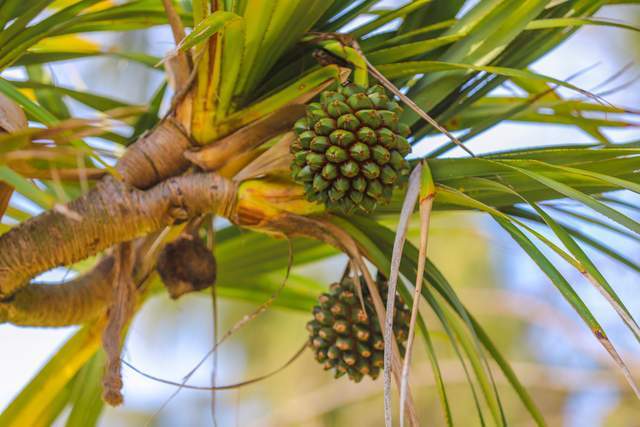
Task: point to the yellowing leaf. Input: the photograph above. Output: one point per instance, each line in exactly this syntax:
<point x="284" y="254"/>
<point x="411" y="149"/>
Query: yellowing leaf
<point x="29" y="93"/>
<point x="105" y="4"/>
<point x="66" y="43"/>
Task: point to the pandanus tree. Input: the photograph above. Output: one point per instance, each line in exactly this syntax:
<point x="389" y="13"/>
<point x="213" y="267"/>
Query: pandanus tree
<point x="298" y="133"/>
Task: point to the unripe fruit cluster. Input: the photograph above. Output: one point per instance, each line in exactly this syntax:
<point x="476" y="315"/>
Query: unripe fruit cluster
<point x="351" y="148"/>
<point x="346" y="338"/>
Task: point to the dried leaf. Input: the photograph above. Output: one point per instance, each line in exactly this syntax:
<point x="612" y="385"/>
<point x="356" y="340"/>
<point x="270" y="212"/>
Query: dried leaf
<point x="427" y="193"/>
<point x="214" y="156"/>
<point x="276" y="159"/>
<point x="12" y="118"/>
<point x="5" y="195"/>
<point x="401" y="235"/>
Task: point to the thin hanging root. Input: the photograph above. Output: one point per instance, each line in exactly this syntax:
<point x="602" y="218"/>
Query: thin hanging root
<point x="210" y="239"/>
<point x="221" y="387"/>
<point x="119" y="314"/>
<point x="347" y="40"/>
<point x="237" y="326"/>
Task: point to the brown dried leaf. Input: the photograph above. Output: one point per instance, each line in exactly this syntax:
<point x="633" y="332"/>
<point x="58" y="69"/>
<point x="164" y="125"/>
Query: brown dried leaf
<point x="214" y="156"/>
<point x="276" y="160"/>
<point x="12" y="118"/>
<point x="5" y="195"/>
<point x="401" y="235"/>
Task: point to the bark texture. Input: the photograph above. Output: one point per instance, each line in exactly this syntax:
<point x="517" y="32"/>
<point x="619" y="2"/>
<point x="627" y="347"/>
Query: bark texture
<point x="155" y="156"/>
<point x="76" y="301"/>
<point x="110" y="213"/>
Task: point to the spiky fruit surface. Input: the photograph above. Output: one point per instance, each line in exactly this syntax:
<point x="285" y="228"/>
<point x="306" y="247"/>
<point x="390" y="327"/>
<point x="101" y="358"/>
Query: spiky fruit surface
<point x="351" y="148"/>
<point x="348" y="340"/>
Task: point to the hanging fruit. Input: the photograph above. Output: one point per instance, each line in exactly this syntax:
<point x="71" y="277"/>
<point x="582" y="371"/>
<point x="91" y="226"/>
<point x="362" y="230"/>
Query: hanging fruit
<point x="349" y="340"/>
<point x="351" y="148"/>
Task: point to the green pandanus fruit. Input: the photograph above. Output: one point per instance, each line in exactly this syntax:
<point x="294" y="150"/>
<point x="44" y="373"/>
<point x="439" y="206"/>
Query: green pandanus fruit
<point x="350" y="148"/>
<point x="349" y="340"/>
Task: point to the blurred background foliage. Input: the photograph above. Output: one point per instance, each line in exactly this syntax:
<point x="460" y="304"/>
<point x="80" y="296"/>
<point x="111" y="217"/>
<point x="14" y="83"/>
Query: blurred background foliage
<point x="568" y="374"/>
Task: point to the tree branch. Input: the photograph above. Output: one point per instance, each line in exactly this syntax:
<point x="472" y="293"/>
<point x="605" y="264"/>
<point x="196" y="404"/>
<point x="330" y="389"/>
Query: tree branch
<point x="114" y="212"/>
<point x="156" y="156"/>
<point x="76" y="301"/>
<point x="111" y="213"/>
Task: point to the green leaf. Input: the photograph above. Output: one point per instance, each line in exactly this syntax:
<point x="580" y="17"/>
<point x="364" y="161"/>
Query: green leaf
<point x="233" y="45"/>
<point x="409" y="50"/>
<point x="132" y="15"/>
<point x="26" y="188"/>
<point x="590" y="270"/>
<point x="86" y="393"/>
<point x="366" y="232"/>
<point x="583" y="237"/>
<point x="257" y="17"/>
<point x="97" y="102"/>
<point x="35" y="398"/>
<point x="438" y="310"/>
<point x="52" y="102"/>
<point x="580" y="261"/>
<point x="407" y="69"/>
<point x="611" y="180"/>
<point x="206" y="28"/>
<point x="305" y="86"/>
<point x="477" y="365"/>
<point x="596" y="221"/>
<point x="540" y="24"/>
<point x="554" y="275"/>
<point x="15" y="46"/>
<point x="7" y="11"/>
<point x="31" y="58"/>
<point x="437" y="373"/>
<point x="388" y="17"/>
<point x="288" y="22"/>
<point x="491" y="26"/>
<point x="360" y="9"/>
<point x="32" y="109"/>
<point x="574" y="194"/>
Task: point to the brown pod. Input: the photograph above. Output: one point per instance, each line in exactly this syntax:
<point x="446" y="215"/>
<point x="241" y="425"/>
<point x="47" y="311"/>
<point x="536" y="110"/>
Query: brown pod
<point x="186" y="265"/>
<point x="12" y="119"/>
